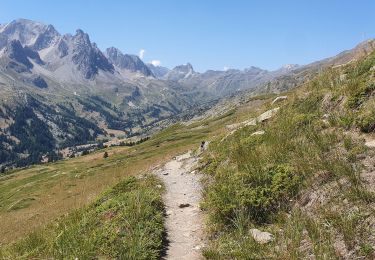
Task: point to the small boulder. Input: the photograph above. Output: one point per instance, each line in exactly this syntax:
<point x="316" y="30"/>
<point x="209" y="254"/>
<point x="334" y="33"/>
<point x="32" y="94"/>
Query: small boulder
<point x="267" y="115"/>
<point x="261" y="237"/>
<point x="184" y="205"/>
<point x="280" y="98"/>
<point x="165" y="173"/>
<point x="261" y="132"/>
<point x="370" y="143"/>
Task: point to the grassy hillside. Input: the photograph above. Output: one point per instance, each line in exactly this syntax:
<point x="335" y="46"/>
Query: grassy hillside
<point x="308" y="180"/>
<point x="125" y="222"/>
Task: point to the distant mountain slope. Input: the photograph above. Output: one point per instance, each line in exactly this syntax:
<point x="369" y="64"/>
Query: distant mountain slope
<point x="303" y="73"/>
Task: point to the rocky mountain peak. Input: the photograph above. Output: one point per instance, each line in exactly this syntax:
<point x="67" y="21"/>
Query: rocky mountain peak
<point x="129" y="62"/>
<point x="30" y="33"/>
<point x="185" y="68"/>
<point x="87" y="56"/>
<point x="181" y="72"/>
<point x="81" y="38"/>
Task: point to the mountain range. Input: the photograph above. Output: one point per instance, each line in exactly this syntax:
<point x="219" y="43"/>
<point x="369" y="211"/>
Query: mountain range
<point x="59" y="91"/>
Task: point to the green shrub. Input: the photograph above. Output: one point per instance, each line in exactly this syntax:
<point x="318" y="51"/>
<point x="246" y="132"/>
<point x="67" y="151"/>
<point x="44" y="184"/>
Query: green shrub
<point x="256" y="195"/>
<point x="366" y="121"/>
<point x="360" y="95"/>
<point x="365" y="65"/>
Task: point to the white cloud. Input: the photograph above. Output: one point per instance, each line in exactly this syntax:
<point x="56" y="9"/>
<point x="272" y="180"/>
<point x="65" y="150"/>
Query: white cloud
<point x="142" y="53"/>
<point x="226" y="68"/>
<point x="155" y="62"/>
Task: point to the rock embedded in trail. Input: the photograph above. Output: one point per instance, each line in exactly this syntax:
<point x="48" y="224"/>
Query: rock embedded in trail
<point x="184" y="205"/>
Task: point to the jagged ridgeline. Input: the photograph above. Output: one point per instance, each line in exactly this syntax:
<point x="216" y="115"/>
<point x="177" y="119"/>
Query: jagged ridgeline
<point x="58" y="91"/>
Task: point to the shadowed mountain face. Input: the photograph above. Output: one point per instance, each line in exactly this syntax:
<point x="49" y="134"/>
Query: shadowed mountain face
<point x="158" y="71"/>
<point x="74" y="93"/>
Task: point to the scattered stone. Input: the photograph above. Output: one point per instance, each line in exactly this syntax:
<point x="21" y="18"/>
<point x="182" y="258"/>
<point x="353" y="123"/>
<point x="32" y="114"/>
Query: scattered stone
<point x="280" y="98"/>
<point x="261" y="132"/>
<point x="261" y="237"/>
<point x="267" y="115"/>
<point x="251" y="122"/>
<point x="326" y="116"/>
<point x="165" y="173"/>
<point x="184" y="205"/>
<point x="193" y="172"/>
<point x="370" y="143"/>
<point x="233" y="126"/>
<point x="158" y="186"/>
<point x="342" y="77"/>
<point x="198" y="247"/>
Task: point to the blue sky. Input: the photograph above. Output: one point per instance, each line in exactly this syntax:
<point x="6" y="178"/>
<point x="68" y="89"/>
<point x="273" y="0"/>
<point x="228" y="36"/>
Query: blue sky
<point x="210" y="34"/>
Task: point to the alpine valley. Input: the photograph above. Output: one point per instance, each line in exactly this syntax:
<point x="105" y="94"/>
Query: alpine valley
<point x="59" y="91"/>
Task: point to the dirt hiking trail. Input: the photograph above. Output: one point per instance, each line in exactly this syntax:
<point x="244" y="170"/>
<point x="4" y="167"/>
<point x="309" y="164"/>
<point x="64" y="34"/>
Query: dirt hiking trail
<point x="184" y="220"/>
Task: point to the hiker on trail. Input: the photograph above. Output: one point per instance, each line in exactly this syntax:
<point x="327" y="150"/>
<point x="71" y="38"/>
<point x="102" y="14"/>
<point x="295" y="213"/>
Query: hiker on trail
<point x="202" y="146"/>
